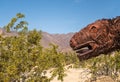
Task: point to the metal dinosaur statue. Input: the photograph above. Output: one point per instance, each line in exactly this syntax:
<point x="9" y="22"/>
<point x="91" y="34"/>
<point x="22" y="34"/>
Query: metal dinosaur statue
<point x="100" y="37"/>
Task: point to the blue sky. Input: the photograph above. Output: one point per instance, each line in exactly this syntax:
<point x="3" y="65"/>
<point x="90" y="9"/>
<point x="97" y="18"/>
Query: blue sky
<point x="58" y="16"/>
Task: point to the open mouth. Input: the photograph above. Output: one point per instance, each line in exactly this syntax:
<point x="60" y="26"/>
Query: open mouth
<point x="84" y="49"/>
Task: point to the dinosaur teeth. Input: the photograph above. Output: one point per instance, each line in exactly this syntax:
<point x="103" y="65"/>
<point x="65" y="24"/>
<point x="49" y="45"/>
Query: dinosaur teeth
<point x="85" y="54"/>
<point x="82" y="50"/>
<point x="83" y="45"/>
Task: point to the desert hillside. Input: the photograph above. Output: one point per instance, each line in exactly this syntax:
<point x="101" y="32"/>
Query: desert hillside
<point x="62" y="40"/>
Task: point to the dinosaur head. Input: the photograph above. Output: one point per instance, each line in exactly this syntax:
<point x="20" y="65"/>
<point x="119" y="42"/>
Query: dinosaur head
<point x="95" y="39"/>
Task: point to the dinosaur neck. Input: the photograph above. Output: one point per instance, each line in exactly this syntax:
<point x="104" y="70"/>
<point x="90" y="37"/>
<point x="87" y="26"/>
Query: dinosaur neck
<point x="116" y="22"/>
<point x="117" y="30"/>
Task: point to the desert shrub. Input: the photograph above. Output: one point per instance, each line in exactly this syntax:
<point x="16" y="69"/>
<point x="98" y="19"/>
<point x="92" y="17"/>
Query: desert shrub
<point x="71" y="58"/>
<point x="23" y="59"/>
<point x="104" y="65"/>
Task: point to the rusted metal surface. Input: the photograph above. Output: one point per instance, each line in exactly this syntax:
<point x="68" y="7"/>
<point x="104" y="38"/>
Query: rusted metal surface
<point x="100" y="37"/>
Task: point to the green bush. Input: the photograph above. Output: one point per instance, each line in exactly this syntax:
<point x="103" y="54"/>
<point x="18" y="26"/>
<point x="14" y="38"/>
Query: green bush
<point x="23" y="59"/>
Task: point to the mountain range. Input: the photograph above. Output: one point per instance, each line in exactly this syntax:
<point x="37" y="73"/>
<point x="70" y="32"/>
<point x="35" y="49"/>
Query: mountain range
<point x="61" y="40"/>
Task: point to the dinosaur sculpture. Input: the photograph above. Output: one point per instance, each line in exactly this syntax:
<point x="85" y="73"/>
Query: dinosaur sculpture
<point x="100" y="37"/>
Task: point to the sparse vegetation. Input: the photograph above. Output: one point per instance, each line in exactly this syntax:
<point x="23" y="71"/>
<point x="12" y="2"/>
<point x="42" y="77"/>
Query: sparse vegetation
<point x="104" y="65"/>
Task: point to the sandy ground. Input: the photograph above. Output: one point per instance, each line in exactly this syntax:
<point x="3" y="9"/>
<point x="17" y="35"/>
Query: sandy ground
<point x="75" y="75"/>
<point x="79" y="75"/>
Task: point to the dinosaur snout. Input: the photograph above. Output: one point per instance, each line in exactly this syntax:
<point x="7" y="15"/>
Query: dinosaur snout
<point x="73" y="43"/>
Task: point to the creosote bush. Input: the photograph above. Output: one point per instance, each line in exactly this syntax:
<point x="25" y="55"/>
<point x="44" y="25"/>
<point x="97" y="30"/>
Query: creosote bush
<point x="23" y="59"/>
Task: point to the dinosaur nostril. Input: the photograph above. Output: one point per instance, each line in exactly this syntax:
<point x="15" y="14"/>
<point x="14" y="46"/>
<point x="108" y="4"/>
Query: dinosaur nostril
<point x="73" y="43"/>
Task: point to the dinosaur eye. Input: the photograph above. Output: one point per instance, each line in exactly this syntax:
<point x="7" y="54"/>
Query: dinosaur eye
<point x="93" y="29"/>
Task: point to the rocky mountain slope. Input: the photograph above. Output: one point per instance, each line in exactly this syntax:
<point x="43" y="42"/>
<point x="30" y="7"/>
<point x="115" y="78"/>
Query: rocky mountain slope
<point x="62" y="40"/>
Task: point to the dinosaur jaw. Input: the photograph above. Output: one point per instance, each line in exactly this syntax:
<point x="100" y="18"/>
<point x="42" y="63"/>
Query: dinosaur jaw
<point x="84" y="50"/>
